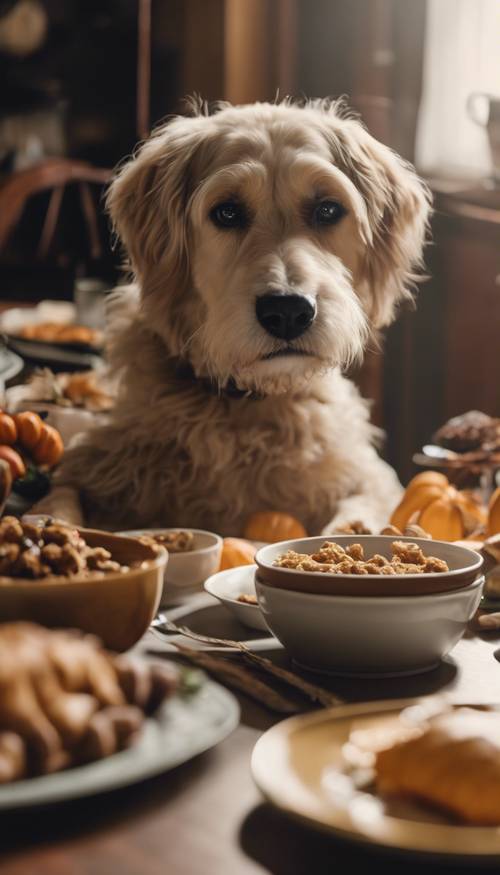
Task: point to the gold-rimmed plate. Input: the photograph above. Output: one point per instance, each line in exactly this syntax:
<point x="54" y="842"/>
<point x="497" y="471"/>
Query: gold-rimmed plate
<point x="300" y="767"/>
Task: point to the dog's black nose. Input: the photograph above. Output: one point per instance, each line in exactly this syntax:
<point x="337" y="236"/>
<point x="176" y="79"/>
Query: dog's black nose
<point x="285" y="316"/>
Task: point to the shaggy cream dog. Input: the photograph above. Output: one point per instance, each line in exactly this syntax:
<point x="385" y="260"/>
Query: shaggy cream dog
<point x="268" y="243"/>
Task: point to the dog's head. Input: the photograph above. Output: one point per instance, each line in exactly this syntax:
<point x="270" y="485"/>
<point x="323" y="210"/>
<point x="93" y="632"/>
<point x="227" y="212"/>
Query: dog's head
<point x="269" y="241"/>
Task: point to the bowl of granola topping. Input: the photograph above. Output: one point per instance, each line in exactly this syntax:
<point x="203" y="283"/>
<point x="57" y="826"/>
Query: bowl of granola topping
<point x="368" y="605"/>
<point x="57" y="575"/>
<point x="194" y="554"/>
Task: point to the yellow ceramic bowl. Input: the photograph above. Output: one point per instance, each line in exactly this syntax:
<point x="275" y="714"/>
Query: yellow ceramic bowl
<point x="117" y="607"/>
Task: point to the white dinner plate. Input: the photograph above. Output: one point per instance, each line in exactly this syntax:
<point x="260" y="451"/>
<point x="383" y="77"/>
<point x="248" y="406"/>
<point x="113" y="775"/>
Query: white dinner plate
<point x="227" y="585"/>
<point x="183" y="728"/>
<point x="298" y="765"/>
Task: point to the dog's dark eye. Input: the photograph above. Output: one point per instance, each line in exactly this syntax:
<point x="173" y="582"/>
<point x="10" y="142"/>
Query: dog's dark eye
<point x="229" y="215"/>
<point x="328" y="213"/>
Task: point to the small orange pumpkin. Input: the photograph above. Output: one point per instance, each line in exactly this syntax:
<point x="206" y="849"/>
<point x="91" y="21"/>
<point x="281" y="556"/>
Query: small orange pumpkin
<point x="8" y="430"/>
<point x="17" y="466"/>
<point x="29" y="428"/>
<point x="494" y="513"/>
<point x="272" y="526"/>
<point x="443" y="511"/>
<point x="49" y="448"/>
<point x="235" y="552"/>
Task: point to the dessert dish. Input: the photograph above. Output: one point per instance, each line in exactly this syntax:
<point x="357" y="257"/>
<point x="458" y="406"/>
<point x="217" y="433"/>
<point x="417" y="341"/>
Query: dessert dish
<point x="451" y="761"/>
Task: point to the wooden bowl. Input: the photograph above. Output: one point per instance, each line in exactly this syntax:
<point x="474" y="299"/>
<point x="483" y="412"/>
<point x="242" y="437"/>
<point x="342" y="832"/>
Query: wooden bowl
<point x="117" y="607"/>
<point x="464" y="564"/>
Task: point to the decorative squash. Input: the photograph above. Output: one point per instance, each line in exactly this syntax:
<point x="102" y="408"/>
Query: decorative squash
<point x="443" y="520"/>
<point x="427" y="478"/>
<point x="29" y="428"/>
<point x="235" y="552"/>
<point x="494" y="513"/>
<point x="8" y="430"/>
<point x="49" y="448"/>
<point x="272" y="526"/>
<point x="443" y="511"/>
<point x="17" y="466"/>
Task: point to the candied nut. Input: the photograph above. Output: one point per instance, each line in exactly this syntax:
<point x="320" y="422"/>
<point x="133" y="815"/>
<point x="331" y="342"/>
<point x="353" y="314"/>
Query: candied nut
<point x="373" y="568"/>
<point x="11" y="530"/>
<point x="391" y="530"/>
<point x="377" y="559"/>
<point x="96" y="557"/>
<point x="355" y="551"/>
<point x="291" y="559"/>
<point x="330" y="552"/>
<point x="29" y="564"/>
<point x="9" y="554"/>
<point x="344" y="567"/>
<point x="415" y="531"/>
<point x="433" y="564"/>
<point x="309" y="564"/>
<point x="59" y="534"/>
<point x="359" y="568"/>
<point x="408" y="552"/>
<point x="248" y="599"/>
<point x="31" y="531"/>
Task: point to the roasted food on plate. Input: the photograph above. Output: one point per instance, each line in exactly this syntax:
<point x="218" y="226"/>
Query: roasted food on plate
<point x="60" y="332"/>
<point x="453" y="763"/>
<point x="65" y="701"/>
<point x="332" y="558"/>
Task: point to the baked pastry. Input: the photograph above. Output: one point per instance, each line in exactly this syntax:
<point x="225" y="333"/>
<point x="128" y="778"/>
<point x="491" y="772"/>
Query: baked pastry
<point x="473" y="430"/>
<point x="58" y="332"/>
<point x="453" y="764"/>
<point x="64" y="700"/>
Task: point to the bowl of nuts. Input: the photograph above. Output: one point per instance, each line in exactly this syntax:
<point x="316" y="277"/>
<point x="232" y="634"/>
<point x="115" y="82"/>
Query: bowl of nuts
<point x="60" y="576"/>
<point x="368" y="605"/>
<point x="193" y="555"/>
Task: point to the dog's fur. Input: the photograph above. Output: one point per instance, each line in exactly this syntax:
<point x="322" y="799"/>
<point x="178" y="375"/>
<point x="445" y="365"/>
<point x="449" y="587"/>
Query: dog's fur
<point x="177" y="454"/>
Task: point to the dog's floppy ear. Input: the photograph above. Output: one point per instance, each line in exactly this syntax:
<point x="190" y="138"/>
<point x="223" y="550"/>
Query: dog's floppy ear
<point x="397" y="206"/>
<point x="148" y="197"/>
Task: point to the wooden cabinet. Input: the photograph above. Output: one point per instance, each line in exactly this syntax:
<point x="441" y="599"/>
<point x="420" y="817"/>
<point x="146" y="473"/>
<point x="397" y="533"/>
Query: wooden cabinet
<point x="444" y="358"/>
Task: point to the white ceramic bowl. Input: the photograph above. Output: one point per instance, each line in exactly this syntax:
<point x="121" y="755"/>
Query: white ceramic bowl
<point x="227" y="585"/>
<point x="187" y="571"/>
<point x="369" y="636"/>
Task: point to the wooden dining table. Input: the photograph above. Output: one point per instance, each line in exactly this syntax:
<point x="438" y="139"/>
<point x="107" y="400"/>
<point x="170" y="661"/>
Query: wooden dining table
<point x="207" y="817"/>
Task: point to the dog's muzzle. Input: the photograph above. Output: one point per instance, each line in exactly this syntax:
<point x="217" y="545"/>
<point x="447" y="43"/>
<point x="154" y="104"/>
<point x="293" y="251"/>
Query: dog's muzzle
<point x="285" y="316"/>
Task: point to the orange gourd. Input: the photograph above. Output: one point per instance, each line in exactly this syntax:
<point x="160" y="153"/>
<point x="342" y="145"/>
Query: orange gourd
<point x="49" y="448"/>
<point x="427" y="478"/>
<point x="235" y="552"/>
<point x="494" y="513"/>
<point x="29" y="428"/>
<point x="272" y="526"/>
<point x="17" y="466"/>
<point x="8" y="430"/>
<point x="443" y="511"/>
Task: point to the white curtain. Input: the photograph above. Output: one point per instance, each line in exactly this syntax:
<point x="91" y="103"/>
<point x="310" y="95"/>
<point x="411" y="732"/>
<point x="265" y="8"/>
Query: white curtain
<point x="461" y="55"/>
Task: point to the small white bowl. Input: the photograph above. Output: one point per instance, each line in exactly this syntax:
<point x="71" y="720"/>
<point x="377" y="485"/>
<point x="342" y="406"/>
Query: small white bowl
<point x="227" y="585"/>
<point x="369" y="636"/>
<point x="187" y="571"/>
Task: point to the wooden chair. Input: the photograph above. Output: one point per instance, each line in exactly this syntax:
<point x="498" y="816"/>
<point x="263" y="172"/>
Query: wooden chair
<point x="53" y="174"/>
